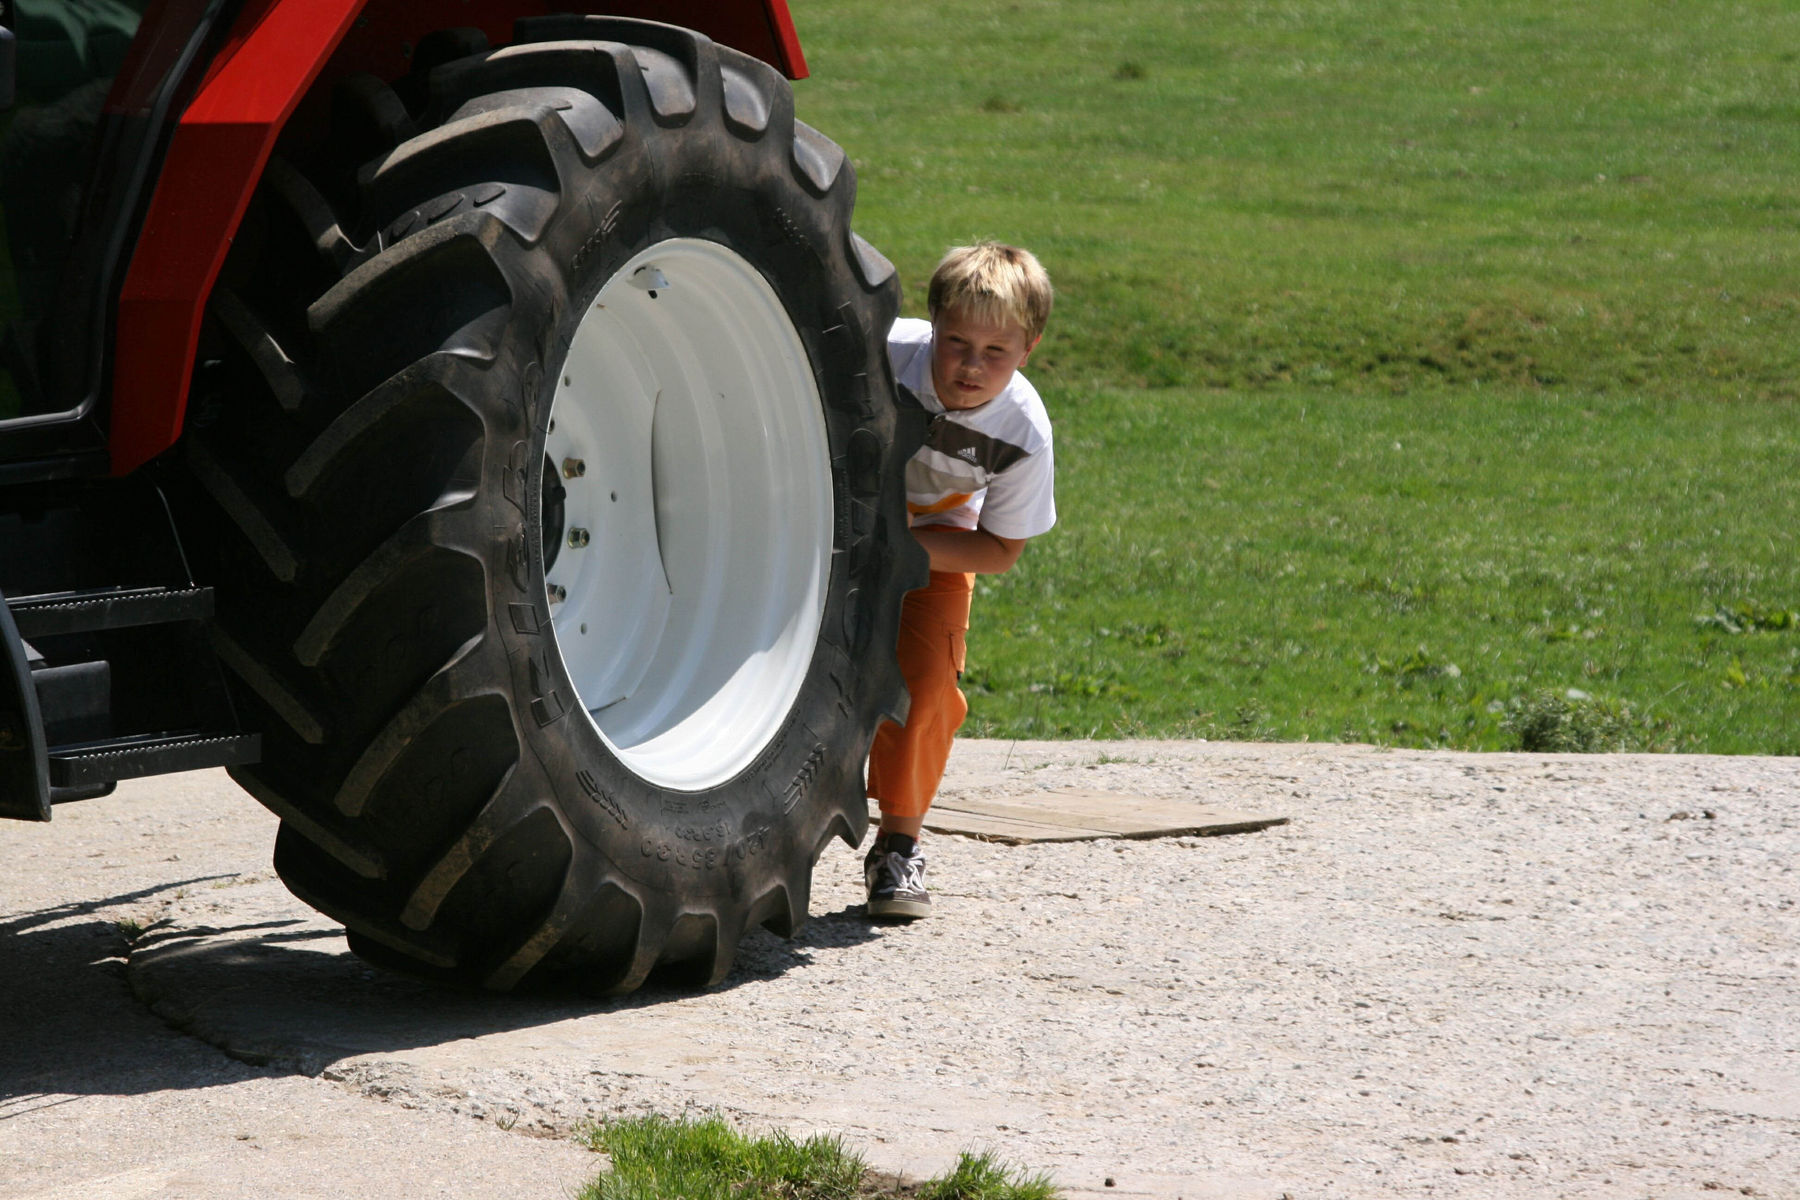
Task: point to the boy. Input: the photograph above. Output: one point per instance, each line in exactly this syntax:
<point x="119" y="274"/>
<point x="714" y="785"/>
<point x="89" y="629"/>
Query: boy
<point x="978" y="490"/>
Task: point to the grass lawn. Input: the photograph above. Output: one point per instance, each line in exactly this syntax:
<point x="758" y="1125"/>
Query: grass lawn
<point x="1410" y="360"/>
<point x="1401" y="569"/>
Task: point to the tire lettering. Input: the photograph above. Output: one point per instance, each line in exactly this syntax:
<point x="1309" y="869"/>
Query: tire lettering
<point x="803" y="779"/>
<point x="698" y="858"/>
<point x="704" y="833"/>
<point x="790" y="228"/>
<point x="607" y="224"/>
<point x="600" y="796"/>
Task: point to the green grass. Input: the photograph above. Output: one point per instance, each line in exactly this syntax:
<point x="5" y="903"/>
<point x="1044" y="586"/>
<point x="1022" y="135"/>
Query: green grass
<point x="1411" y="362"/>
<point x="984" y="1177"/>
<point x="1375" y="195"/>
<point x="1401" y="569"/>
<point x="689" y="1158"/>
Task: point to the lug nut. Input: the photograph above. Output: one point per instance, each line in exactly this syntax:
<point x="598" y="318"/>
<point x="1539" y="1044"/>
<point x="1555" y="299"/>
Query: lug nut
<point x="574" y="468"/>
<point x="558" y="593"/>
<point x="577" y="538"/>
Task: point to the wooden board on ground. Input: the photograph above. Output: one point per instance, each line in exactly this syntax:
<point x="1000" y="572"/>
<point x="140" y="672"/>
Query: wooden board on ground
<point x="1074" y="815"/>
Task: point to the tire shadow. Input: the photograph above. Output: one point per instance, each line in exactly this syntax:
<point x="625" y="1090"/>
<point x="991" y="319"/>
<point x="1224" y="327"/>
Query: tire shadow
<point x="93" y="1007"/>
<point x="763" y="956"/>
<point x="68" y="1023"/>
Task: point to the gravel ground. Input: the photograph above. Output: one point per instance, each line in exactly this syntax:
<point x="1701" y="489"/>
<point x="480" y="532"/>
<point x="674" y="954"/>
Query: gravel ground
<point x="1451" y="975"/>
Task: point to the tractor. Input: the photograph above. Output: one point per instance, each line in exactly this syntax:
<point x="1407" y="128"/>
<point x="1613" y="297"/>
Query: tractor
<point x="470" y="424"/>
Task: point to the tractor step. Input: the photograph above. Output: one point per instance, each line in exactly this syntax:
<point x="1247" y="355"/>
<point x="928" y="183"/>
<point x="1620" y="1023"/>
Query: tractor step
<point x="82" y="766"/>
<point x="107" y="668"/>
<point x="56" y="613"/>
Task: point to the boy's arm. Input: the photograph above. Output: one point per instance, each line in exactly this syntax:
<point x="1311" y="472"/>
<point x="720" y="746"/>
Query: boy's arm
<point x="972" y="550"/>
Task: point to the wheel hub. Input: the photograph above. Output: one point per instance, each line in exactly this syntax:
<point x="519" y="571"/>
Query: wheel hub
<point x="688" y="553"/>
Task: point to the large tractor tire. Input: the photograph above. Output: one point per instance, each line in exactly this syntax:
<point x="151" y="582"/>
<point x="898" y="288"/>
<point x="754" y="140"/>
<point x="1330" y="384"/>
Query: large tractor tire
<point x="555" y="460"/>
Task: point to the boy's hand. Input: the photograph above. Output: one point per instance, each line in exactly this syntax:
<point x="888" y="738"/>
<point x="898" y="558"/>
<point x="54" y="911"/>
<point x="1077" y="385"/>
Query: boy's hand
<point x="969" y="550"/>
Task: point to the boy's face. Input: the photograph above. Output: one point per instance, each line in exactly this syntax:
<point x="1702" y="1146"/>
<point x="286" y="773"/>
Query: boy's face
<point x="973" y="361"/>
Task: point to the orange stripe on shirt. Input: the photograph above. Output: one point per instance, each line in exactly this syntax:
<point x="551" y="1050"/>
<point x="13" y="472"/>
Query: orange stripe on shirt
<point x="940" y="506"/>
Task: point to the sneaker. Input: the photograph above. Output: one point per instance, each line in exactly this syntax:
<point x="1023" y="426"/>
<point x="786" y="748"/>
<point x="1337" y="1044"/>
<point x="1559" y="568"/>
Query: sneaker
<point x="895" y="872"/>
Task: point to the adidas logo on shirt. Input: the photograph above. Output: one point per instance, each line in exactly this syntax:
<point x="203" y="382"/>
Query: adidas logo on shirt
<point x="967" y="452"/>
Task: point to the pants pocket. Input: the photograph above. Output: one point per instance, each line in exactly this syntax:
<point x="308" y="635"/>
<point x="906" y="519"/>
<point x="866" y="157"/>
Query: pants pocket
<point x="959" y="651"/>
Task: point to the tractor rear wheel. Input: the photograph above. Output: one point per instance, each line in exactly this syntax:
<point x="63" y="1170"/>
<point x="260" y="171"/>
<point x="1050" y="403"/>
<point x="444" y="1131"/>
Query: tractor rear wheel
<point x="555" y="462"/>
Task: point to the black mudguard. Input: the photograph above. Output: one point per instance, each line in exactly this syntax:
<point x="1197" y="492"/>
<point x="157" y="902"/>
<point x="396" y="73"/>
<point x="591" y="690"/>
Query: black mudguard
<point x="24" y="760"/>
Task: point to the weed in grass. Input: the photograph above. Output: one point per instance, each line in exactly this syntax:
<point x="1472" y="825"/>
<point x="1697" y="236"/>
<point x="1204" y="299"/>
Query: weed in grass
<point x="1548" y="722"/>
<point x="1081" y="684"/>
<point x="1745" y="617"/>
<point x="1417" y="666"/>
<point x="1153" y="635"/>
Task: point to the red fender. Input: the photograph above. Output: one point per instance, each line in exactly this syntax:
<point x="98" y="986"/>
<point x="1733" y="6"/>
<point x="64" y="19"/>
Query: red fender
<point x="275" y="52"/>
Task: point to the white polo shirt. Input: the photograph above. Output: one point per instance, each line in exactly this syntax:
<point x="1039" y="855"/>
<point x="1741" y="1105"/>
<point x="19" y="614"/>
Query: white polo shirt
<point x="989" y="467"/>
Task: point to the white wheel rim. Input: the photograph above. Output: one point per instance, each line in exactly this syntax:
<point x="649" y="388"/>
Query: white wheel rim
<point x="690" y="436"/>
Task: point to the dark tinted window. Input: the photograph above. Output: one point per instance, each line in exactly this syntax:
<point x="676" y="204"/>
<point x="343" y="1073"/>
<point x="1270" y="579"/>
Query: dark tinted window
<point x="68" y="52"/>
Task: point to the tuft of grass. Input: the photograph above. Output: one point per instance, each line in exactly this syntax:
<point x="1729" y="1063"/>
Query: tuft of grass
<point x="984" y="1177"/>
<point x="660" y="1158"/>
<point x="704" y="1158"/>
<point x="1572" y="722"/>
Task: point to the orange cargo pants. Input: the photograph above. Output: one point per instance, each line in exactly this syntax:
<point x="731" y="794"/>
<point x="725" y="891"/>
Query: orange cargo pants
<point x="907" y="761"/>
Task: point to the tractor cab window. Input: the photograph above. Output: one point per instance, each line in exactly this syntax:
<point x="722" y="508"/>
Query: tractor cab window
<point x="67" y="52"/>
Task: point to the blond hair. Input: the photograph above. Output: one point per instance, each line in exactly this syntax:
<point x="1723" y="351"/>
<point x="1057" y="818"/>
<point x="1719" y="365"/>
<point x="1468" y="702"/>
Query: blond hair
<point x="993" y="282"/>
